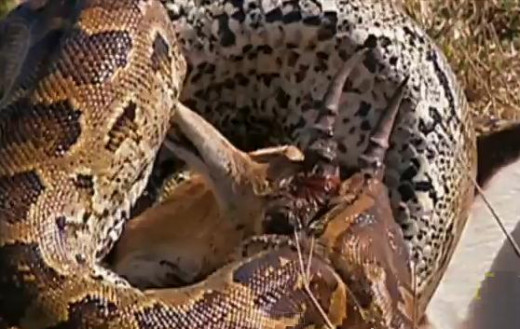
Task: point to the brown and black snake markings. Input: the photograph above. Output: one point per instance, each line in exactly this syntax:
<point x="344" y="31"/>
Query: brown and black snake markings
<point x="348" y="236"/>
<point x="92" y="89"/>
<point x="77" y="147"/>
<point x="255" y="66"/>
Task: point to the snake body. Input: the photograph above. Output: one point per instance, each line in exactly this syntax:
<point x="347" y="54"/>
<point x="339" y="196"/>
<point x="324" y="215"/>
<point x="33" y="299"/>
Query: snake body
<point x="261" y="59"/>
<point x="82" y="138"/>
<point x="81" y="130"/>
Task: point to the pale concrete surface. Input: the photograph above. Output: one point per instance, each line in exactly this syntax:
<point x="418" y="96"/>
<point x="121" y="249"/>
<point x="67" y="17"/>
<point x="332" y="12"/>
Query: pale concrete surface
<point x="481" y="288"/>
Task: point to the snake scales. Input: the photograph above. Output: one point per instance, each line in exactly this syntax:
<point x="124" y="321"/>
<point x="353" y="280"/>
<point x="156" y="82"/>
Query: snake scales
<point x="84" y="120"/>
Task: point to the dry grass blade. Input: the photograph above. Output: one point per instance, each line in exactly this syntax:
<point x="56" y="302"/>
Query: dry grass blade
<point x="497" y="218"/>
<point x="415" y="312"/>
<point x="481" y="40"/>
<point x="305" y="271"/>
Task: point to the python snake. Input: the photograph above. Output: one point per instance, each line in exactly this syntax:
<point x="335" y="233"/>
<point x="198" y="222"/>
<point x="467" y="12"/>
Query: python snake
<point x="263" y="58"/>
<point x="199" y="238"/>
<point x="84" y="120"/>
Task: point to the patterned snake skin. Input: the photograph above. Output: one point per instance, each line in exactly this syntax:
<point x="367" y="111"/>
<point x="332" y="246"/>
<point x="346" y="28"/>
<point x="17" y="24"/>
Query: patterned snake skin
<point x="198" y="238"/>
<point x="263" y="58"/>
<point x="85" y="113"/>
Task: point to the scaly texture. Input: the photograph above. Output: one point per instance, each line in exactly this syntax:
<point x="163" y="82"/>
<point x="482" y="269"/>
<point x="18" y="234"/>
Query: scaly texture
<point x="81" y="129"/>
<point x="77" y="145"/>
<point x="252" y="63"/>
<point x="171" y="243"/>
